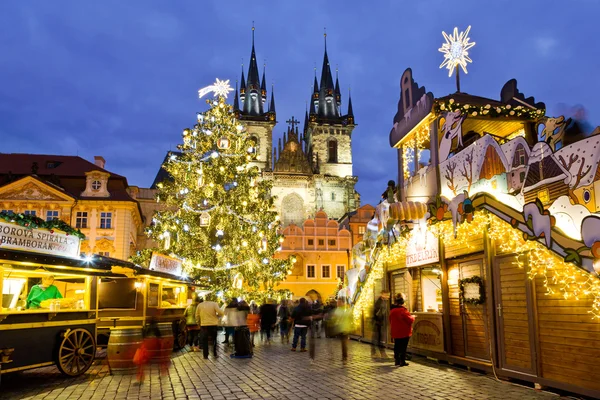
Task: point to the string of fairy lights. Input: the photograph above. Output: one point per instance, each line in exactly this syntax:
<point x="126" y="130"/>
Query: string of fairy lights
<point x="541" y="264"/>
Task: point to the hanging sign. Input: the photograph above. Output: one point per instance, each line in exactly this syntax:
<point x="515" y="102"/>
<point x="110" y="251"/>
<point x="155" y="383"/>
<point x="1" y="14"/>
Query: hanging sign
<point x="422" y="248"/>
<point x="16" y="237"/>
<point x="162" y="263"/>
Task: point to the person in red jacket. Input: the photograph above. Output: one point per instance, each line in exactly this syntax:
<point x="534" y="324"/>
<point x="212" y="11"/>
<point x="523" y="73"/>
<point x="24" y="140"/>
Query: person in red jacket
<point x="401" y="322"/>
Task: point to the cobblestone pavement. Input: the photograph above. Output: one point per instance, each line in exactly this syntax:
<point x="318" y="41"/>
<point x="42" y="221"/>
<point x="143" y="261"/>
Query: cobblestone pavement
<point x="273" y="373"/>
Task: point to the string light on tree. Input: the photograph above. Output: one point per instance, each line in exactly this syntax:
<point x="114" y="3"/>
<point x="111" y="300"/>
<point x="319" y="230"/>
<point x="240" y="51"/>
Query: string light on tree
<point x="456" y="52"/>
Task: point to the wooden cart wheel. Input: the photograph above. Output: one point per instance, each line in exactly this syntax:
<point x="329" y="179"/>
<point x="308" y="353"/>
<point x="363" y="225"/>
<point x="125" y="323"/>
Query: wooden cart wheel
<point x="76" y="352"/>
<point x="181" y="334"/>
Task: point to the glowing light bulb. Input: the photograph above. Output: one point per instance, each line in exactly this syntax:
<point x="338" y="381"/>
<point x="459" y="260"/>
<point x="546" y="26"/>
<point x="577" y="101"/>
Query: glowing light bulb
<point x="186" y="227"/>
<point x="265" y="260"/>
<point x="244" y="243"/>
<point x="244" y="203"/>
<point x="219" y="233"/>
<point x="218" y="247"/>
<point x="222" y="169"/>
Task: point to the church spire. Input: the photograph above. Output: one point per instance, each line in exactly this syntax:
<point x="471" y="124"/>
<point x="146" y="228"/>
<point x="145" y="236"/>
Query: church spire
<point x="263" y="85"/>
<point x="253" y="102"/>
<point x="243" y="85"/>
<point x="327" y="106"/>
<point x="236" y="104"/>
<point x="272" y="105"/>
<point x="350" y="114"/>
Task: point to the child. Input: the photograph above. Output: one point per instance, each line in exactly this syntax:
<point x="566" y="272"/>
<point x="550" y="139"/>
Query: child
<point x="253" y="322"/>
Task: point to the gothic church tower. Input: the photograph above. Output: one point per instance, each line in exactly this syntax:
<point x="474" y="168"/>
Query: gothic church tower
<point x="252" y="112"/>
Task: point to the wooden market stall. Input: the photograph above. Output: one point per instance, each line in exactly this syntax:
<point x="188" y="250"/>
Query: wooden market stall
<point x="160" y="292"/>
<point x="512" y="199"/>
<point x="57" y="305"/>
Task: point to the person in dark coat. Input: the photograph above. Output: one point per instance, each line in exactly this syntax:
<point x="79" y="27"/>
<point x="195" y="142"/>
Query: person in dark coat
<point x="401" y="322"/>
<point x="268" y="318"/>
<point x="302" y="316"/>
<point x="380" y="313"/>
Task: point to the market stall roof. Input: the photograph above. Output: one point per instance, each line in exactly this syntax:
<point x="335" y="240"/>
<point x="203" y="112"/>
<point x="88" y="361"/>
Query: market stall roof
<point x="51" y="263"/>
<point x="95" y="265"/>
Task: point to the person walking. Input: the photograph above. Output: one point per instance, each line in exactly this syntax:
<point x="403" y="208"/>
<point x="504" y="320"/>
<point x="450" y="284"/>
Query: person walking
<point x="283" y="316"/>
<point x="253" y="322"/>
<point x="302" y="316"/>
<point x="380" y="314"/>
<point x="342" y="318"/>
<point x="241" y="336"/>
<point x="328" y="323"/>
<point x="230" y="319"/>
<point x="208" y="313"/>
<point x="401" y="322"/>
<point x="191" y="325"/>
<point x="317" y="312"/>
<point x="268" y="318"/>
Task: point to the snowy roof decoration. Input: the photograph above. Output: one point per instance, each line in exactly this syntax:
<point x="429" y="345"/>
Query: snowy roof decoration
<point x="552" y="170"/>
<point x="581" y="158"/>
<point x="509" y="148"/>
<point x="479" y="149"/>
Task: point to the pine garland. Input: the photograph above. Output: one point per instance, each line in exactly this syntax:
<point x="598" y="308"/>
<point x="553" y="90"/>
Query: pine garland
<point x="488" y="110"/>
<point x="33" y="222"/>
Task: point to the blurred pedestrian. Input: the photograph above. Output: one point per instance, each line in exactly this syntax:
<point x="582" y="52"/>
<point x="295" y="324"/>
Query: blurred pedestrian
<point x="342" y="317"/>
<point x="191" y="325"/>
<point x="283" y="317"/>
<point x="208" y="313"/>
<point x="380" y="315"/>
<point x="328" y="311"/>
<point x="241" y="337"/>
<point x="317" y="313"/>
<point x="302" y="316"/>
<point x="229" y="319"/>
<point x="253" y="322"/>
<point x="401" y="322"/>
<point x="268" y="318"/>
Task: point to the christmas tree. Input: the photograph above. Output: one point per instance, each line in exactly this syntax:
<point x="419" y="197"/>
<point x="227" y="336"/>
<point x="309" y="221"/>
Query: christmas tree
<point x="218" y="215"/>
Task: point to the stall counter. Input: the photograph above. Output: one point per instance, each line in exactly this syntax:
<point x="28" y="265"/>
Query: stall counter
<point x="428" y="332"/>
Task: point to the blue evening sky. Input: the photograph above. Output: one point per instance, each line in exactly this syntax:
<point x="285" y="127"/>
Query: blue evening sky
<point x="119" y="78"/>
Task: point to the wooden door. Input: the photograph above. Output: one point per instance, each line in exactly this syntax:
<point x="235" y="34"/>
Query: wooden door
<point x="515" y="324"/>
<point x="468" y="323"/>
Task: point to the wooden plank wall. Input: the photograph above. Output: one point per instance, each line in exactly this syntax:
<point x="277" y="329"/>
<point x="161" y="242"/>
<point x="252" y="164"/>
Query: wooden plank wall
<point x="568" y="338"/>
<point x="455" y="248"/>
<point x="515" y="324"/>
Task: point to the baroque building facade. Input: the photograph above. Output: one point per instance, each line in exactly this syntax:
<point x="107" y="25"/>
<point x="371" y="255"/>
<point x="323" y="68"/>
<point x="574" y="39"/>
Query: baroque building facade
<point x="310" y="170"/>
<point x="81" y="193"/>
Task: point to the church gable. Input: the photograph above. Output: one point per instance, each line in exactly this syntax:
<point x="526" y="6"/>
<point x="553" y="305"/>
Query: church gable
<point x="292" y="159"/>
<point x="30" y="188"/>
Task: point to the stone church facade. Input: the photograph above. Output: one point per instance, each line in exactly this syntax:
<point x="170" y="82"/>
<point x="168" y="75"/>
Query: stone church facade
<point x="310" y="170"/>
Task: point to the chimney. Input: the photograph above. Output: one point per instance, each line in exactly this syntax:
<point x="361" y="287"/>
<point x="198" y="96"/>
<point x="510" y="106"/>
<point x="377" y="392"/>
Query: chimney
<point x="99" y="161"/>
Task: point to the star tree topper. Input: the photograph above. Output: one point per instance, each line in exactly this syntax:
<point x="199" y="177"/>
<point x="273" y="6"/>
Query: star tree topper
<point x="219" y="88"/>
<point x="456" y="52"/>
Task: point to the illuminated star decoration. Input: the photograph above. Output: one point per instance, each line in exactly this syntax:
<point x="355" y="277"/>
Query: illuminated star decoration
<point x="220" y="88"/>
<point x="456" y="50"/>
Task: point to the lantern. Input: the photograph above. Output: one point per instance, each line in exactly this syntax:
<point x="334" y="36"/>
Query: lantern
<point x="223" y="143"/>
<point x="204" y="219"/>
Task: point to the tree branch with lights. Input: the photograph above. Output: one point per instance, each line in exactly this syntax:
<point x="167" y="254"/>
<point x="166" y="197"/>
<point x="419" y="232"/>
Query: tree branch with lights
<point x="218" y="215"/>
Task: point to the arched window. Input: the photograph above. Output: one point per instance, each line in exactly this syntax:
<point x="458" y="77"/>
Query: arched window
<point x="255" y="143"/>
<point x="333" y="156"/>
